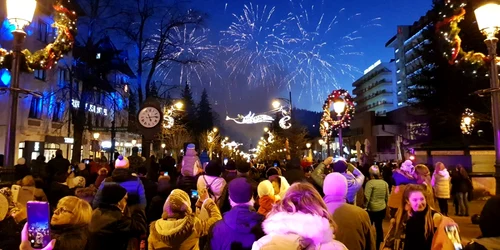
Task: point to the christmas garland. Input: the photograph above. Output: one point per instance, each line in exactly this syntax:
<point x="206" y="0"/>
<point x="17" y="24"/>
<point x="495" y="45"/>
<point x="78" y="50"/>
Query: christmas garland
<point x="65" y="23"/>
<point x="328" y="124"/>
<point x="448" y="31"/>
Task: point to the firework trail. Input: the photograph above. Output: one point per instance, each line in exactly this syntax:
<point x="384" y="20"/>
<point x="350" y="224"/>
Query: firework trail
<point x="253" y="46"/>
<point x="190" y="58"/>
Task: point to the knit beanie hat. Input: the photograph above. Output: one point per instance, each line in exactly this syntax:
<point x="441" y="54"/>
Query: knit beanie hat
<point x="122" y="162"/>
<point x="177" y="203"/>
<point x="265" y="188"/>
<point x="340" y="166"/>
<point x="240" y="190"/>
<point x="190" y="149"/>
<point x="243" y="167"/>
<point x="335" y="185"/>
<point x="112" y="193"/>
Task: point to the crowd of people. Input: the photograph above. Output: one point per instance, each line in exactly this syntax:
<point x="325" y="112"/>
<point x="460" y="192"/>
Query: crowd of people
<point x="196" y="203"/>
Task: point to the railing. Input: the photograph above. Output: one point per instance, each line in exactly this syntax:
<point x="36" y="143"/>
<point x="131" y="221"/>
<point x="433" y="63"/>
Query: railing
<point x="370" y="76"/>
<point x="374" y="94"/>
<point x="371" y="86"/>
<point x="373" y="105"/>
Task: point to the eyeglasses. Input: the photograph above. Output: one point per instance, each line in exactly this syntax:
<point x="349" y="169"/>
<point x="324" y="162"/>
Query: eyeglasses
<point x="62" y="210"/>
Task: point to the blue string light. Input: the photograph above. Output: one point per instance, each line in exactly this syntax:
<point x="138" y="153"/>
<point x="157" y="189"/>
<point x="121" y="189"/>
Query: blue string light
<point x="5" y="77"/>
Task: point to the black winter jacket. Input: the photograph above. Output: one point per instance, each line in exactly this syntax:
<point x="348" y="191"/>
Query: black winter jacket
<point x="72" y="237"/>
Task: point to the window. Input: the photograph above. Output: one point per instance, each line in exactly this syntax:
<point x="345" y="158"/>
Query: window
<point x="43" y="31"/>
<point x="35" y="108"/>
<point x="40" y="74"/>
<point x="57" y="113"/>
<point x="63" y="77"/>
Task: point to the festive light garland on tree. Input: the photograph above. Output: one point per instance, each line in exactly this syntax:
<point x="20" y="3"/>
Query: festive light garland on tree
<point x="448" y="31"/>
<point x="327" y="123"/>
<point x="467" y="122"/>
<point x="65" y="23"/>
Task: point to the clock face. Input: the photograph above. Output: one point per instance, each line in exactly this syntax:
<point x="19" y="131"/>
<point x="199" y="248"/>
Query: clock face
<point x="149" y="117"/>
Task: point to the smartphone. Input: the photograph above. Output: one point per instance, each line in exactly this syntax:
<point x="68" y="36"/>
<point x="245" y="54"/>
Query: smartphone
<point x="165" y="174"/>
<point x="194" y="194"/>
<point x="15" y="192"/>
<point x="225" y="161"/>
<point x="86" y="161"/>
<point x="38" y="223"/>
<point x="275" y="165"/>
<point x="454" y="236"/>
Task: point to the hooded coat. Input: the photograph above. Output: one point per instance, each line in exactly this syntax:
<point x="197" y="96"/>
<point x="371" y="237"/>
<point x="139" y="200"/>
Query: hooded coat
<point x="294" y="231"/>
<point x="182" y="233"/>
<point x="441" y="184"/>
<point x="239" y="229"/>
<point x="191" y="164"/>
<point x="356" y="230"/>
<point x="133" y="185"/>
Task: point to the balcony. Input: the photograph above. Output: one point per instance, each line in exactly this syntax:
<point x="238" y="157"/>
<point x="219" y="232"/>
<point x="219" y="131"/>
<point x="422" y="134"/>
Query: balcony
<point x="358" y="91"/>
<point x="369" y="76"/>
<point x="373" y="105"/>
<point x="372" y="95"/>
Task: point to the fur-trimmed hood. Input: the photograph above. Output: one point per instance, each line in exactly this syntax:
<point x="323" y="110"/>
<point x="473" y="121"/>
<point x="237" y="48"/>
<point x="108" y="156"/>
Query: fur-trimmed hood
<point x="299" y="223"/>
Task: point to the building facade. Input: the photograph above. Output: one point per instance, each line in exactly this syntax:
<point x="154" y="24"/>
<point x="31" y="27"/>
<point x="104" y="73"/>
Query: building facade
<point x="375" y="90"/>
<point x="408" y="61"/>
<point x="44" y="122"/>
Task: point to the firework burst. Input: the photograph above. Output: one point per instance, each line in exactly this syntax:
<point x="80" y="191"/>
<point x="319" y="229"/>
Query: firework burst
<point x="189" y="58"/>
<point x="322" y="53"/>
<point x="253" y="46"/>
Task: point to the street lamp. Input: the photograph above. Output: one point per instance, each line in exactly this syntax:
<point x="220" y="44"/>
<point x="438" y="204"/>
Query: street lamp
<point x="134" y="141"/>
<point x="96" y="136"/>
<point x="20" y="14"/>
<point x="339" y="108"/>
<point x="308" y="145"/>
<point x="276" y="104"/>
<point x="488" y="22"/>
<point x="266" y="129"/>
<point x="179" y="105"/>
<point x="215" y="130"/>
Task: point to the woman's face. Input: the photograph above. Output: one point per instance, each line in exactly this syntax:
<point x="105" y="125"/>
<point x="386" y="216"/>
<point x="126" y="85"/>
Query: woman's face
<point x="276" y="187"/>
<point x="62" y="216"/>
<point x="441" y="167"/>
<point x="417" y="201"/>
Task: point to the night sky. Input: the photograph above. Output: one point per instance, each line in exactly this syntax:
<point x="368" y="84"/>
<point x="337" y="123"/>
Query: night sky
<point x="374" y="22"/>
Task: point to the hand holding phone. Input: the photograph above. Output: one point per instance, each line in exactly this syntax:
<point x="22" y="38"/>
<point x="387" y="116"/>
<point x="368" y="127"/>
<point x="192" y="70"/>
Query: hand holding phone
<point x="165" y="174"/>
<point x="194" y="194"/>
<point x="38" y="226"/>
<point x="25" y="243"/>
<point x="454" y="236"/>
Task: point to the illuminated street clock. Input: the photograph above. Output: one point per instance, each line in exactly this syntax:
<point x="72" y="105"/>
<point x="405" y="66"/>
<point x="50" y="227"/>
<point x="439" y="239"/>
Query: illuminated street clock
<point x="149" y="117"/>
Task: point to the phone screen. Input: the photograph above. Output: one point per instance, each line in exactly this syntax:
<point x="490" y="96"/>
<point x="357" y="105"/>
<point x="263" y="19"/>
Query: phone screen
<point x="165" y="174"/>
<point x="86" y="161"/>
<point x="38" y="223"/>
<point x="275" y="164"/>
<point x="225" y="161"/>
<point x="452" y="233"/>
<point x="15" y="192"/>
<point x="194" y="194"/>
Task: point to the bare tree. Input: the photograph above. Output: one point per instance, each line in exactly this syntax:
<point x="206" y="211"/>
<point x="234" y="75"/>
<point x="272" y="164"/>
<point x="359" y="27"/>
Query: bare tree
<point x="149" y="25"/>
<point x="175" y="138"/>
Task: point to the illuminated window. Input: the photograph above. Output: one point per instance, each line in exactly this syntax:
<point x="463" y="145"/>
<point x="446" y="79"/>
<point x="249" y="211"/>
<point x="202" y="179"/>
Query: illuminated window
<point x="43" y="31"/>
<point x="40" y="74"/>
<point x="63" y="77"/>
<point x="35" y="108"/>
<point x="98" y="56"/>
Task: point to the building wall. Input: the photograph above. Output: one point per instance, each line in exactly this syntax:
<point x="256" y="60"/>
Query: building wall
<point x="375" y="90"/>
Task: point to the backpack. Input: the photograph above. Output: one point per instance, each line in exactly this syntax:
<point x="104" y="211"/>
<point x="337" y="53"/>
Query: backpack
<point x="218" y="201"/>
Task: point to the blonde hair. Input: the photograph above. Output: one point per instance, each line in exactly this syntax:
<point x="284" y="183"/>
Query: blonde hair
<point x="82" y="211"/>
<point x="423" y="174"/>
<point x="405" y="210"/>
<point x="304" y="198"/>
<point x="28" y="181"/>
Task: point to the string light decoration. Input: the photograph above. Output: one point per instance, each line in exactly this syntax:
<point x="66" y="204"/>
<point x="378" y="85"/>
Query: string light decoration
<point x="467" y="123"/>
<point x="447" y="29"/>
<point x="327" y="124"/>
<point x="65" y="23"/>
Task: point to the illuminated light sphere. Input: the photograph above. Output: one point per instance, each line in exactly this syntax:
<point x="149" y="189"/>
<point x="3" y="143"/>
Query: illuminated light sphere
<point x="20" y="12"/>
<point x="467" y="120"/>
<point x="215" y="130"/>
<point x="308" y="145"/>
<point x="96" y="136"/>
<point x="412" y="157"/>
<point x="266" y="129"/>
<point x="163" y="145"/>
<point x="487" y="18"/>
<point x="276" y="104"/>
<point x="179" y="105"/>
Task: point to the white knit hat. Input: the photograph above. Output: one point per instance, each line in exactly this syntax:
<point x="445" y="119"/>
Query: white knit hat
<point x="408" y="167"/>
<point x="122" y="162"/>
<point x="335" y="185"/>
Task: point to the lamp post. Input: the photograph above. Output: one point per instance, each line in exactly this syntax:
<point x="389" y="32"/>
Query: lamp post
<point x="488" y="22"/>
<point x="95" y="143"/>
<point x="339" y="107"/>
<point x="19" y="13"/>
<point x="163" y="145"/>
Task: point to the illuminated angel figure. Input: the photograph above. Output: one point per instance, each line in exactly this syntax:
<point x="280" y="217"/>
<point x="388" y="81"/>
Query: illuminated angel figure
<point x="251" y="118"/>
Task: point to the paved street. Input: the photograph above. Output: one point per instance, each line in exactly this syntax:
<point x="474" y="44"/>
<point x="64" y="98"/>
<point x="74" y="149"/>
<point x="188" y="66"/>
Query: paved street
<point x="468" y="231"/>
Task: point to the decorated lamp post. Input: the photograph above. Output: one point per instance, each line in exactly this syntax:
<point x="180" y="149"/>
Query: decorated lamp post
<point x="488" y="22"/>
<point x="343" y="105"/>
<point x="467" y="123"/>
<point x="20" y="14"/>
